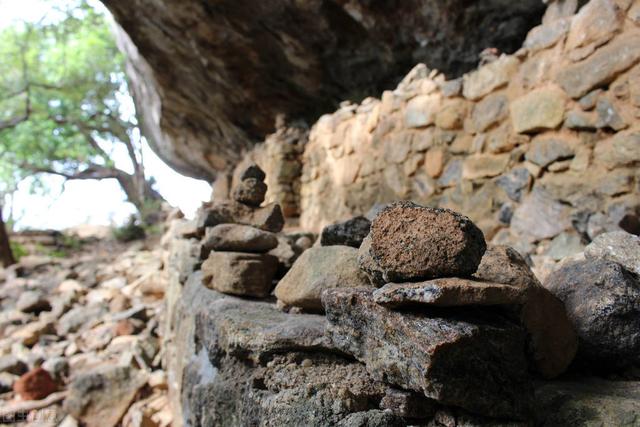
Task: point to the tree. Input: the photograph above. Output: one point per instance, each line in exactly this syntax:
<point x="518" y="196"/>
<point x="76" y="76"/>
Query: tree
<point x="64" y="104"/>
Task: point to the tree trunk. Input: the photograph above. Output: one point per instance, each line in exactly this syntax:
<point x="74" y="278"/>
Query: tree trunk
<point x="6" y="255"/>
<point x="146" y="200"/>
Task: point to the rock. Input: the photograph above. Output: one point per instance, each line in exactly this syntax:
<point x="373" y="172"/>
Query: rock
<point x="546" y="35"/>
<point x="552" y="342"/>
<point x="617" y="246"/>
<point x="543" y="151"/>
<point x="250" y="191"/>
<point x="600" y="68"/>
<point x="451" y="174"/>
<point x="539" y="109"/>
<point x="373" y="418"/>
<point x="484" y="165"/>
<point x="540" y="216"/>
<point x="595" y="23"/>
<point x="348" y="233"/>
<point x="368" y="265"/>
<point x="621" y="149"/>
<point x="32" y="302"/>
<point x="317" y="269"/>
<point x="602" y="300"/>
<point x="408" y="404"/>
<point x="449" y="292"/>
<point x="434" y="162"/>
<point x="237" y="238"/>
<point x="456" y="358"/>
<point x="609" y="116"/>
<point x="35" y="385"/>
<point x="489" y="77"/>
<point x="268" y="217"/>
<point x="515" y="182"/>
<point x="100" y="398"/>
<point x="565" y="245"/>
<point x="80" y="317"/>
<point x="587" y="402"/>
<point x="31" y="333"/>
<point x="253" y="171"/>
<point x="421" y="111"/>
<point x="7" y="381"/>
<point x="12" y="365"/>
<point x="491" y="110"/>
<point x="410" y="242"/>
<point x="58" y="367"/>
<point x="240" y="273"/>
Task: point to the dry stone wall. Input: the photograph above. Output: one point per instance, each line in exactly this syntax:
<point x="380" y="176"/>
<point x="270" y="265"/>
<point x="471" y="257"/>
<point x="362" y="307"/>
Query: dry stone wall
<point x="535" y="145"/>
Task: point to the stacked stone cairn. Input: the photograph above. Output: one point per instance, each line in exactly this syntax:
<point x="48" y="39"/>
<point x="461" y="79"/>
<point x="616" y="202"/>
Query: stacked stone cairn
<point x="452" y="323"/>
<point x="236" y="236"/>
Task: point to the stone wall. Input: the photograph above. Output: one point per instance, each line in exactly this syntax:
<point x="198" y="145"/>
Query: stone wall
<point x="546" y="140"/>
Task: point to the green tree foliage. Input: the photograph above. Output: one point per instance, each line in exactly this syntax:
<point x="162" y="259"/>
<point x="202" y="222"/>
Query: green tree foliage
<point x="63" y="97"/>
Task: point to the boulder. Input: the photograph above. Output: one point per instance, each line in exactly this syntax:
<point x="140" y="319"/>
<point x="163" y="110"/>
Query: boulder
<point x="411" y="242"/>
<point x="449" y="292"/>
<point x="239" y="273"/>
<point x="317" y="269"/>
<point x="237" y="238"/>
<point x="602" y="300"/>
<point x="552" y="340"/>
<point x="469" y="359"/>
<point x="348" y="233"/>
<point x="617" y="246"/>
<point x="100" y="398"/>
<point x="35" y="385"/>
<point x="250" y="191"/>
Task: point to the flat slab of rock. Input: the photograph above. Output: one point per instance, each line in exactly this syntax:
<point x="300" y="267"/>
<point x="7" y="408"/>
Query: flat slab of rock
<point x="467" y="359"/>
<point x="411" y="242"/>
<point x="616" y="246"/>
<point x="317" y="269"/>
<point x="449" y="292"/>
<point x="268" y="217"/>
<point x="240" y="273"/>
<point x="349" y="233"/>
<point x="602" y="300"/>
<point x="237" y="238"/>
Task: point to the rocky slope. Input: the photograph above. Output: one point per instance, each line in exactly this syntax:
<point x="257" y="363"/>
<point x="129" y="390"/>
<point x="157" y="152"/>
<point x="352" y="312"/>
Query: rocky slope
<point x="79" y="336"/>
<point x="212" y="77"/>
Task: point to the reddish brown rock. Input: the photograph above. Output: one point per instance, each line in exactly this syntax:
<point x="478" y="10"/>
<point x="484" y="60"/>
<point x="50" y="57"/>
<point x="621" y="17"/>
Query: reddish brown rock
<point x="35" y="385"/>
<point x="411" y="242"/>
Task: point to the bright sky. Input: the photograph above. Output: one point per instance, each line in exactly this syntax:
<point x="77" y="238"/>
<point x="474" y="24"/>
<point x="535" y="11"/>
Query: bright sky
<point x="92" y="202"/>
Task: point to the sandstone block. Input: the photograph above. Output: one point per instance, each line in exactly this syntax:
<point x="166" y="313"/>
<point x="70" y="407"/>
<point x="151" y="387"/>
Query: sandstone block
<point x="544" y="151"/>
<point x="317" y="269"/>
<point x="489" y="77"/>
<point x="237" y="238"/>
<point x="602" y="300"/>
<point x="421" y="111"/>
<point x="619" y="150"/>
<point x="539" y="109"/>
<point x="454" y="358"/>
<point x="595" y="23"/>
<point x="348" y="233"/>
<point x="546" y="35"/>
<point x="410" y="242"/>
<point x="484" y="165"/>
<point x="434" y="161"/>
<point x="601" y="67"/>
<point x="240" y="273"/>
<point x="540" y="216"/>
<point x="491" y="110"/>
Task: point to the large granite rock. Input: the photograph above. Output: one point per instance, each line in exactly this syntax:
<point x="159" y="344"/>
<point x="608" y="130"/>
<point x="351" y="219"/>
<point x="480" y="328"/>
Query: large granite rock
<point x="237" y="362"/>
<point x="317" y="269"/>
<point x="469" y="359"/>
<point x="603" y="302"/>
<point x="210" y="78"/>
<point x="410" y="242"/>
